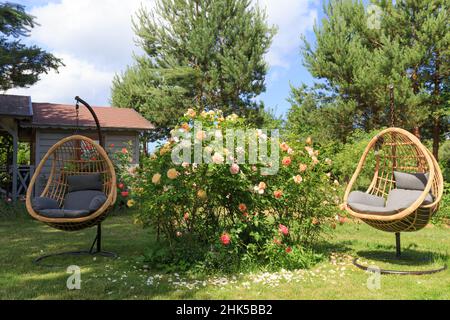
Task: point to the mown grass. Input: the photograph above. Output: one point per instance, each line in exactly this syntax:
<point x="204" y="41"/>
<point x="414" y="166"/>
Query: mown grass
<point x="22" y="240"/>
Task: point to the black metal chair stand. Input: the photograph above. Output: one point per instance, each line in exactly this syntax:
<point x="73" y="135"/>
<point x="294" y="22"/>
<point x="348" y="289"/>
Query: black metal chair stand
<point x="97" y="244"/>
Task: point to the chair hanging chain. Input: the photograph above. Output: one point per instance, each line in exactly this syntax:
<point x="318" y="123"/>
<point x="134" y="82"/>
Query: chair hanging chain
<point x="392" y="107"/>
<point x="77" y="110"/>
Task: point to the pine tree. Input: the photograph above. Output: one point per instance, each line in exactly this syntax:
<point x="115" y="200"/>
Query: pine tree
<point x="203" y="54"/>
<point x="20" y="65"/>
<point x="356" y="63"/>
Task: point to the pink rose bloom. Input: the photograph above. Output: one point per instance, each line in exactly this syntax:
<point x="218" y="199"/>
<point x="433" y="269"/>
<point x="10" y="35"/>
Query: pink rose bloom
<point x="234" y="169"/>
<point x="185" y="165"/>
<point x="225" y="239"/>
<point x="217" y="158"/>
<point x="200" y="135"/>
<point x="283" y="229"/>
<point x="310" y="151"/>
<point x="277" y="194"/>
<point x="260" y="187"/>
<point x="314" y="160"/>
<point x="286" y="161"/>
<point x="242" y="207"/>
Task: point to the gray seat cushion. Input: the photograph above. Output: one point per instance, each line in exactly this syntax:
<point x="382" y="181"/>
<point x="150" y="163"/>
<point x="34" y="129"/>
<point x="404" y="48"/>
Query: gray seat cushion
<point x="81" y="200"/>
<point x="84" y="182"/>
<point x="63" y="213"/>
<point x="365" y="198"/>
<point x="42" y="203"/>
<point x="411" y="181"/>
<point x="398" y="200"/>
<point x="402" y="199"/>
<point x="365" y="208"/>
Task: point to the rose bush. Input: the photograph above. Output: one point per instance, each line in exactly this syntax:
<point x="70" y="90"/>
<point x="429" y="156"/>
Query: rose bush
<point x="235" y="212"/>
<point x="127" y="188"/>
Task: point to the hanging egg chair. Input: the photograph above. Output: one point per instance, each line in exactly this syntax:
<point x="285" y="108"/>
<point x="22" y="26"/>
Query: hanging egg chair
<point x="400" y="186"/>
<point x="398" y="155"/>
<point x="81" y="158"/>
<point x="79" y="189"/>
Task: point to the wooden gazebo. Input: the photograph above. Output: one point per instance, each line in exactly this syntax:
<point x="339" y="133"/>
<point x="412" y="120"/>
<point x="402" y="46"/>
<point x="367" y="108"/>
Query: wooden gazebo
<point x="41" y="125"/>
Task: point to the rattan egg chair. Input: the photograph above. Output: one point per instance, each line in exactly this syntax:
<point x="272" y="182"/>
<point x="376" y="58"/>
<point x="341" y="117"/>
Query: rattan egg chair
<point x="68" y="157"/>
<point x="75" y="155"/>
<point x="396" y="149"/>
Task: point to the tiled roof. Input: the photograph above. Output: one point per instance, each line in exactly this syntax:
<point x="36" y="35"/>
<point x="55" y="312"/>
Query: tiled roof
<point x="60" y="115"/>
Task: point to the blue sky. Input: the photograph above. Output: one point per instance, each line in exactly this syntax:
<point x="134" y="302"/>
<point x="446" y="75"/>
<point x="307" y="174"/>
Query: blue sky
<point x="95" y="41"/>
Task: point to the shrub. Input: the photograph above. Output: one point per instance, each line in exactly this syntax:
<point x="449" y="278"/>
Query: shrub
<point x="444" y="159"/>
<point x="347" y="159"/>
<point x="10" y="209"/>
<point x="125" y="175"/>
<point x="233" y="213"/>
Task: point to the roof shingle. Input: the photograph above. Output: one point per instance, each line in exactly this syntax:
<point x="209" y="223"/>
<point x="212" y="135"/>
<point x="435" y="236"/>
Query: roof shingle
<point x="60" y="115"/>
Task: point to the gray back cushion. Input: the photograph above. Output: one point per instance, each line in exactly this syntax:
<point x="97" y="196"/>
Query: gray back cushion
<point x="411" y="181"/>
<point x="85" y="182"/>
<point x="81" y="200"/>
<point x="400" y="199"/>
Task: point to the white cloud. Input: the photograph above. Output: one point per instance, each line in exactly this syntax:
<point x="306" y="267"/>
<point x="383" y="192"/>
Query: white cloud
<point x="77" y="78"/>
<point x="95" y="40"/>
<point x="99" y="31"/>
<point x="293" y="18"/>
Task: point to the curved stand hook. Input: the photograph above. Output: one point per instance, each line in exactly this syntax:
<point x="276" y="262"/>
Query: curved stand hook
<point x="99" y="132"/>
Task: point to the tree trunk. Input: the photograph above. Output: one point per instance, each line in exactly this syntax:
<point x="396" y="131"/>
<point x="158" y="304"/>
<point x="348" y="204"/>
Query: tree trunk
<point x="416" y="129"/>
<point x="436" y="137"/>
<point x="436" y="122"/>
<point x="416" y="132"/>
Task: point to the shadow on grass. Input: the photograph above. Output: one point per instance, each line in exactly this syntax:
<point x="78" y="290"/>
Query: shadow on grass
<point x="409" y="257"/>
<point x="327" y="248"/>
<point x="25" y="240"/>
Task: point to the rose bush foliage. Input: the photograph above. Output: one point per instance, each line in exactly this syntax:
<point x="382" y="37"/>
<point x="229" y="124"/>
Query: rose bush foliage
<point x="233" y="211"/>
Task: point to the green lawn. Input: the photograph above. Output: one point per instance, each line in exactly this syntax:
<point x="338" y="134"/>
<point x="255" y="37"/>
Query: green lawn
<point x="22" y="240"/>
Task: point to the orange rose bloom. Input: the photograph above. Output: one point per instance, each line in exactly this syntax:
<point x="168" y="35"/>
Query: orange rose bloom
<point x="284" y="146"/>
<point x="185" y="126"/>
<point x="201" y="194"/>
<point x="302" y="167"/>
<point x="172" y="174"/>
